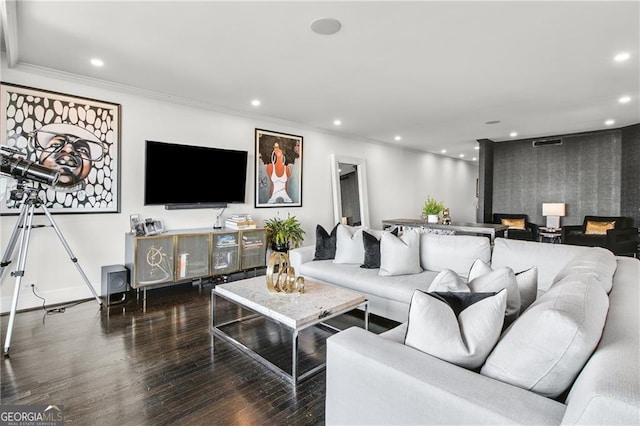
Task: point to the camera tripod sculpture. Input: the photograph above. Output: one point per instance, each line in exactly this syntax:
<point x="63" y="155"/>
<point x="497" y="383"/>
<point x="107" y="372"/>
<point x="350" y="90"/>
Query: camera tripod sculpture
<point x="28" y="197"/>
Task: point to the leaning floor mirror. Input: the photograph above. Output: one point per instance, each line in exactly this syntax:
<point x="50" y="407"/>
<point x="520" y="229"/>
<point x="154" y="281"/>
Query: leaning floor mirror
<point x="349" y="181"/>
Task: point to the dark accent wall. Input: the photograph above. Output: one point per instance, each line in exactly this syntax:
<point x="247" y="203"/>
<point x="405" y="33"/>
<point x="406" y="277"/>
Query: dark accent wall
<point x="630" y="174"/>
<point x="485" y="181"/>
<point x="585" y="172"/>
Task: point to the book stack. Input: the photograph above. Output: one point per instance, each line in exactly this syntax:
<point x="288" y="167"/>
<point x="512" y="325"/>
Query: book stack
<point x="240" y="221"/>
<point x="227" y="240"/>
<point x="252" y="241"/>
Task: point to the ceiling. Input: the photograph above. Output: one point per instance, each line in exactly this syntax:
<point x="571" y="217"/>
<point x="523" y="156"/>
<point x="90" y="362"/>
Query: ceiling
<point x="433" y="73"/>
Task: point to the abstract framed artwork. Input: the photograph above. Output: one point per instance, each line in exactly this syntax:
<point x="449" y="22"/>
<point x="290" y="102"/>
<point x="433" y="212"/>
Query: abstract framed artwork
<point x="278" y="169"/>
<point x="77" y="137"/>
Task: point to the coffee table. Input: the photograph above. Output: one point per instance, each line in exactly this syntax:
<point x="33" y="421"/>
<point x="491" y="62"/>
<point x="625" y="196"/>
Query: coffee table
<point x="295" y="311"/>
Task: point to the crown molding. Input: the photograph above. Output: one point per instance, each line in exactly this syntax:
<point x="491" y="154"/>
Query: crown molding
<point x="9" y="20"/>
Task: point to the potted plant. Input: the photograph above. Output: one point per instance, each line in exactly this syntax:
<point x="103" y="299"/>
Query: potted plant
<point x="432" y="209"/>
<point x="282" y="233"/>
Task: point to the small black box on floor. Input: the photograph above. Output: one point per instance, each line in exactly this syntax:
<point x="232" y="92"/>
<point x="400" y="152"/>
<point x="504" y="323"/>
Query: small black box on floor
<point x="115" y="284"/>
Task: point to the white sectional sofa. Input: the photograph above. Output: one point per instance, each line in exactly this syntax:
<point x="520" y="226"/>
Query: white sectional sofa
<point x="389" y="296"/>
<point x="377" y="379"/>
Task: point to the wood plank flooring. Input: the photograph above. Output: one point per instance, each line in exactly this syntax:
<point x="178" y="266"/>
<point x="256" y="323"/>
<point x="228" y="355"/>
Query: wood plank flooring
<point x="119" y="365"/>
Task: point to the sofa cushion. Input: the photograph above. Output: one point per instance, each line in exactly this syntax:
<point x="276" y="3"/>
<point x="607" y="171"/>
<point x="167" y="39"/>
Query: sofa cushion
<point x="460" y="328"/>
<point x="521" y="255"/>
<point x="599" y="262"/>
<point x="371" y="241"/>
<point x="325" y="243"/>
<point x="545" y="349"/>
<point x="349" y="246"/>
<point x="400" y="255"/>
<point x="455" y="252"/>
<point x="526" y="281"/>
<point x="398" y="288"/>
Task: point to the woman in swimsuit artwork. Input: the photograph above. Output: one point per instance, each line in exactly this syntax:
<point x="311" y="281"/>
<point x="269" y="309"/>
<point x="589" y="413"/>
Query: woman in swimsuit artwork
<point x="279" y="178"/>
<point x="279" y="173"/>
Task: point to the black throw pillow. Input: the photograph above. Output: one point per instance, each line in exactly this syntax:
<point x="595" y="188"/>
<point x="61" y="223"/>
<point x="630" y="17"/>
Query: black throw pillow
<point x="372" y="250"/>
<point x="325" y="243"/>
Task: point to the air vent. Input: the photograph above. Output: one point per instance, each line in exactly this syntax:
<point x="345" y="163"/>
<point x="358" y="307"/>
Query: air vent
<point x="546" y="142"/>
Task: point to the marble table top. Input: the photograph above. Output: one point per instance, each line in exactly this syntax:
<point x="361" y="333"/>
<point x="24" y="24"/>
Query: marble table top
<point x="295" y="310"/>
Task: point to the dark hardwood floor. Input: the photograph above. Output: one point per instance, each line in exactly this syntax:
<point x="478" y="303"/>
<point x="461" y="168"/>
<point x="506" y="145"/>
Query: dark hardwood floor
<point x="119" y="365"/>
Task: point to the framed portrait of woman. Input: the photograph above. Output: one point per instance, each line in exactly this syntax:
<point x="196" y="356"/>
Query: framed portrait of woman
<point x="278" y="169"/>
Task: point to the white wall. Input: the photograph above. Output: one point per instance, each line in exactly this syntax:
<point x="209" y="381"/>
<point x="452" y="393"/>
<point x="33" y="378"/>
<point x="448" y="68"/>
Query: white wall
<point x="398" y="183"/>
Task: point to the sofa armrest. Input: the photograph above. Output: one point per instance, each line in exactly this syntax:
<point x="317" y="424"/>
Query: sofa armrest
<point x="373" y="380"/>
<point x="301" y="255"/>
<point x="535" y="230"/>
<point x="571" y="230"/>
<point x="621" y="236"/>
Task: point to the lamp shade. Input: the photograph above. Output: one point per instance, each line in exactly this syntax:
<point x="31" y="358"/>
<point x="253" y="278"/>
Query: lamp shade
<point x="553" y="209"/>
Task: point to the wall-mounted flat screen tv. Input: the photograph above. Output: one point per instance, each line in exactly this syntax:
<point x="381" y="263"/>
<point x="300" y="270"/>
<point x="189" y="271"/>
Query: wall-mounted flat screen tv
<point x="187" y="176"/>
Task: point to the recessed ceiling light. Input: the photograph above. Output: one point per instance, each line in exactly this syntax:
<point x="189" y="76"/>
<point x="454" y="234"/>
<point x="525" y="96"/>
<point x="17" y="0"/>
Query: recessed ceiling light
<point x="461" y="156"/>
<point x="476" y="147"/>
<point x="474" y="159"/>
<point x="492" y="122"/>
<point x="398" y="138"/>
<point x="610" y="122"/>
<point x="513" y="134"/>
<point x="622" y="56"/>
<point x="326" y="26"/>
<point x="444" y="151"/>
<point x="624" y="99"/>
<point x="255" y="102"/>
<point x="337" y="122"/>
<point x="97" y="62"/>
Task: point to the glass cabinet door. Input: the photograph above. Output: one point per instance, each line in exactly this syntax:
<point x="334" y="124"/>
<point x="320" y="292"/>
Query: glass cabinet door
<point x="254" y="248"/>
<point x="154" y="261"/>
<point x="192" y="256"/>
<point x="224" y="253"/>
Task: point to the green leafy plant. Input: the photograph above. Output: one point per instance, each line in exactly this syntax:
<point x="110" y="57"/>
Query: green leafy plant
<point x="282" y="233"/>
<point x="432" y="206"/>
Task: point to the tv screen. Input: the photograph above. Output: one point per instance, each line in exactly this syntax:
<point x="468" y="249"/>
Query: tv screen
<point x="193" y="176"/>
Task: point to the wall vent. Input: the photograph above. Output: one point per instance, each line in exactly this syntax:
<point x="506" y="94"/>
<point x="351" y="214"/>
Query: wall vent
<point x="546" y="142"/>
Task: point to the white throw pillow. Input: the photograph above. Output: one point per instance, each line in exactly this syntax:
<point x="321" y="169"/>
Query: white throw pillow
<point x="349" y="245"/>
<point x="492" y="281"/>
<point x="464" y="338"/>
<point x="400" y="255"/>
<point x="448" y="280"/>
<point x="549" y="344"/>
<point x="527" y="281"/>
<point x="528" y="285"/>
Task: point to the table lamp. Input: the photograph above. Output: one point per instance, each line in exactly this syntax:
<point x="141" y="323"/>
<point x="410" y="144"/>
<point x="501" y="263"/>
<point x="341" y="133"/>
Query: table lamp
<point x="553" y="212"/>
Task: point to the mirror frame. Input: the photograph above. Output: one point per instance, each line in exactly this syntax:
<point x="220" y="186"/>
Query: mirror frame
<point x="362" y="187"/>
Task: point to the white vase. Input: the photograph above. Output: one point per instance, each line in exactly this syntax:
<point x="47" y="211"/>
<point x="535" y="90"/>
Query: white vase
<point x="432" y="218"/>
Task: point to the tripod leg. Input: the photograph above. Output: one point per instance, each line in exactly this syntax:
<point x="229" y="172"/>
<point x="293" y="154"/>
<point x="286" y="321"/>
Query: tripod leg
<point x="6" y="259"/>
<point x="19" y="273"/>
<point x="70" y="253"/>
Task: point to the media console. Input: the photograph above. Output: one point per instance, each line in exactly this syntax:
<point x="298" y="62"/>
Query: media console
<point x="192" y="254"/>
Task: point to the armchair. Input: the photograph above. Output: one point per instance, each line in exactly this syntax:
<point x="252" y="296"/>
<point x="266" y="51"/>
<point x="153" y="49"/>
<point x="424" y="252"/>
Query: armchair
<point x="528" y="232"/>
<point x="614" y="233"/>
